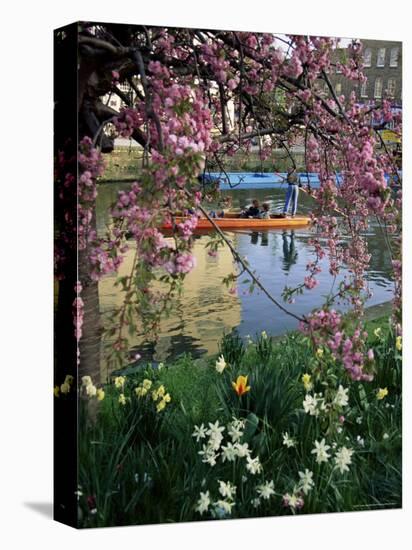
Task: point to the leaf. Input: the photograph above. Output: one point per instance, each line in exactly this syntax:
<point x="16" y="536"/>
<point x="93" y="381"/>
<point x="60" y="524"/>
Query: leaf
<point x="252" y="422"/>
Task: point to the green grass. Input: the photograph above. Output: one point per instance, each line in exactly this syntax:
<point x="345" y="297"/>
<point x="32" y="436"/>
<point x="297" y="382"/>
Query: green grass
<point x="142" y="466"/>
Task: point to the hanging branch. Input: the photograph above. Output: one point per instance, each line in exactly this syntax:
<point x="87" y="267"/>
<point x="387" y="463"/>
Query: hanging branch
<point x="245" y="267"/>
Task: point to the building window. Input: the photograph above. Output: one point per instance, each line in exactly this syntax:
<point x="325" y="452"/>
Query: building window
<point x="367" y="57"/>
<point x="378" y="88"/>
<point x="391" y="87"/>
<point x="338" y="88"/>
<point x="393" y="61"/>
<point x="380" y="62"/>
<point x="364" y="89"/>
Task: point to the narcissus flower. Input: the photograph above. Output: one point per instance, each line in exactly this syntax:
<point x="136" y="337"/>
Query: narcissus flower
<point x="86" y="380"/>
<point x="307" y="381"/>
<point x="56" y="391"/>
<point x="159" y="393"/>
<point x="161" y="405"/>
<point x="100" y="394"/>
<point x="382" y="393"/>
<point x="122" y="399"/>
<point x="203" y="503"/>
<point x="343" y="458"/>
<point x="240" y="386"/>
<point x="319" y="353"/>
<point x="220" y="364"/>
<point x="140" y="391"/>
<point x="147" y="384"/>
<point x="398" y="343"/>
<point x="69" y="379"/>
<point x="65" y="387"/>
<point x="119" y="382"/>
<point x="321" y="451"/>
<point x="91" y="390"/>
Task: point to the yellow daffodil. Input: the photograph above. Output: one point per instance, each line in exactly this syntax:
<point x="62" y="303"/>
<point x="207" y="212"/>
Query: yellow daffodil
<point x="147" y="384"/>
<point x="122" y="399"/>
<point x="69" y="379"/>
<point x="240" y="386"/>
<point x="167" y="398"/>
<point x="377" y="332"/>
<point x="119" y="382"/>
<point x="307" y="381"/>
<point x="140" y="391"/>
<point x="398" y="343"/>
<point x="100" y="394"/>
<point x="56" y="391"/>
<point x="65" y="388"/>
<point x="161" y="405"/>
<point x="382" y="393"/>
<point x="161" y="391"/>
<point x="319" y="353"/>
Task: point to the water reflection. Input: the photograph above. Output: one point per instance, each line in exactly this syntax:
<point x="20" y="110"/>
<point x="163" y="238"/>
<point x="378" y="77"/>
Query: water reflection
<point x="206" y="310"/>
<point x="290" y="254"/>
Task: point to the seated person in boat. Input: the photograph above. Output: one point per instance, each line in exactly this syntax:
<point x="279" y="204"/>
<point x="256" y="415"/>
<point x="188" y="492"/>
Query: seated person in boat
<point x="265" y="213"/>
<point x="253" y="211"/>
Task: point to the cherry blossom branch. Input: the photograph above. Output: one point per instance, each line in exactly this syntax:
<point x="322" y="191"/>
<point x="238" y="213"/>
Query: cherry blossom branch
<point x="240" y="260"/>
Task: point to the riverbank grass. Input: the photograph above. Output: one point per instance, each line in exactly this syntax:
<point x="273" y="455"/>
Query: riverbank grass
<point x="248" y="433"/>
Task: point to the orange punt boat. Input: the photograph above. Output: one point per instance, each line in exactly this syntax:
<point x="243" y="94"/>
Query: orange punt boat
<point x="248" y="223"/>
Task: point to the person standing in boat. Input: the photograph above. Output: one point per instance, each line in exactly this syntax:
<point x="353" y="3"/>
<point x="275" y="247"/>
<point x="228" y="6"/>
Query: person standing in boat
<point x="292" y="192"/>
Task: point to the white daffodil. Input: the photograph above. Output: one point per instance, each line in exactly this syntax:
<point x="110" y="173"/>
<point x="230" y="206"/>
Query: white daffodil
<point x="288" y="441"/>
<point x="227" y="490"/>
<point x="242" y="449"/>
<point x="321" y="451"/>
<point x="209" y="455"/>
<point x="294" y="501"/>
<point x="253" y="465"/>
<point x="310" y="405"/>
<point x="360" y="441"/>
<point x="235" y="429"/>
<point x="229" y="452"/>
<point x="222" y="508"/>
<point x="199" y="432"/>
<point x="266" y="490"/>
<point x="343" y="458"/>
<point x="341" y="398"/>
<point x="220" y="364"/>
<point x="306" y="481"/>
<point x="203" y="503"/>
<point x="215" y="435"/>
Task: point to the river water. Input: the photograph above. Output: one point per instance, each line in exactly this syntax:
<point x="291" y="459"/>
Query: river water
<point x="206" y="310"/>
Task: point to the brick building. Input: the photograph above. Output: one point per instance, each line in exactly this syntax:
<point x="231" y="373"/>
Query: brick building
<point x="383" y="69"/>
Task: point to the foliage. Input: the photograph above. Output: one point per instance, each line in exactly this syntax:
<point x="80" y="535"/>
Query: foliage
<point x="210" y="453"/>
